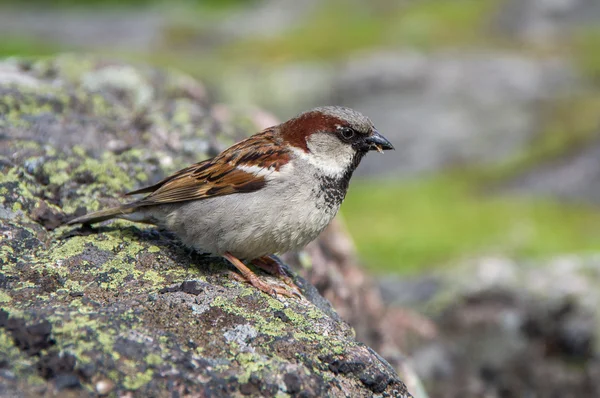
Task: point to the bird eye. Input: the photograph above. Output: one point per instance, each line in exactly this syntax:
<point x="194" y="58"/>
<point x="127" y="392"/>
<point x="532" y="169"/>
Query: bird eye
<point x="347" y="133"/>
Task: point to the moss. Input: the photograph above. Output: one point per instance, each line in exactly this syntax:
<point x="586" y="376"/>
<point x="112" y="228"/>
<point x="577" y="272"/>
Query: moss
<point x="117" y="271"/>
<point x="7" y="249"/>
<point x="275" y="304"/>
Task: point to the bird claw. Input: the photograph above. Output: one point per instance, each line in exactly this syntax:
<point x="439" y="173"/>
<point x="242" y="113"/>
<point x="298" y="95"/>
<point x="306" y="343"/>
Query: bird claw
<point x="250" y="277"/>
<point x="271" y="290"/>
<point x="274" y="267"/>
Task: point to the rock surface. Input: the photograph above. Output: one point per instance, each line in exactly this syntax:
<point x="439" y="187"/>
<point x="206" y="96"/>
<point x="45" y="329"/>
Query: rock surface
<point x="124" y="307"/>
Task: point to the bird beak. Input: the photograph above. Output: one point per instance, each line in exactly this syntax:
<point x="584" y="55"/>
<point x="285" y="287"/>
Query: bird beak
<point x="377" y="142"/>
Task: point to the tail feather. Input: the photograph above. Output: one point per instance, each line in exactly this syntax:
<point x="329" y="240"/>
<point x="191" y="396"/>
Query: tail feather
<point x="103" y="215"/>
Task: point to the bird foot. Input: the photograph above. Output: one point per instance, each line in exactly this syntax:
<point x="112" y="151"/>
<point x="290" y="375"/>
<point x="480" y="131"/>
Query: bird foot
<point x="271" y="290"/>
<point x="250" y="277"/>
<point x="273" y="266"/>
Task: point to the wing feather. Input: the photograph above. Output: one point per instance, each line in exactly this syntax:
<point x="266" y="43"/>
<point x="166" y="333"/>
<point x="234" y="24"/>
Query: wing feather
<point x="241" y="168"/>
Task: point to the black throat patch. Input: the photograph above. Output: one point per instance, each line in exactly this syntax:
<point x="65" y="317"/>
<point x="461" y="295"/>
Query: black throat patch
<point x="333" y="189"/>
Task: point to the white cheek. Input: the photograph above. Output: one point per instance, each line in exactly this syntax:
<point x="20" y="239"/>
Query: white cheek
<point x="327" y="154"/>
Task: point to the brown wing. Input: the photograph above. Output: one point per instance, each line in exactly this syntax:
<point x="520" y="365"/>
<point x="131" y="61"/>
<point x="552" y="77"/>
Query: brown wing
<point x="239" y="169"/>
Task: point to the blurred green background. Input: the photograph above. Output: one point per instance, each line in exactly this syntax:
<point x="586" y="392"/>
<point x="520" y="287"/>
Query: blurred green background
<point x="533" y="197"/>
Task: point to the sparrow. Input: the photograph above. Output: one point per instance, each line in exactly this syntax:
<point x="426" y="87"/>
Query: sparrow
<point x="271" y="193"/>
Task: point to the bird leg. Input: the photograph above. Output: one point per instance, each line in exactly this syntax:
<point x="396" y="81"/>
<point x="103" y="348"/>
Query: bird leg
<point x="254" y="280"/>
<point x="273" y="265"/>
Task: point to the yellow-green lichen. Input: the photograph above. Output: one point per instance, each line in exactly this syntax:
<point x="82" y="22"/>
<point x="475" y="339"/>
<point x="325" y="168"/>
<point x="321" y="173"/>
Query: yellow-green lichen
<point x="6" y="250"/>
<point x="153" y="249"/>
<point x="34" y="379"/>
<point x="153" y="276"/>
<point x="270" y="327"/>
<point x="75" y="303"/>
<point x="106" y="172"/>
<point x="57" y="171"/>
<point x="73" y="327"/>
<point x="24" y="181"/>
<point x="251" y="363"/>
<point x="24" y="284"/>
<point x="4" y="297"/>
<point x="138" y="380"/>
<point x="7" y="345"/>
<point x="338" y="347"/>
<point x="315" y="313"/>
<point x="78" y="150"/>
<point x="17" y="207"/>
<point x="67" y="248"/>
<point x="153" y="359"/>
<point x="311" y="337"/>
<point x="73" y="285"/>
<point x="141" y="176"/>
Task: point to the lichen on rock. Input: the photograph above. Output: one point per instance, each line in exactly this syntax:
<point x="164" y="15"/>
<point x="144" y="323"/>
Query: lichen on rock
<point x="125" y="307"/>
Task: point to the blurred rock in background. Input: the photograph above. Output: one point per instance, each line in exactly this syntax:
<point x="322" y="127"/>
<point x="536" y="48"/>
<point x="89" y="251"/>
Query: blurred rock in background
<point x="506" y="328"/>
<point x="545" y="21"/>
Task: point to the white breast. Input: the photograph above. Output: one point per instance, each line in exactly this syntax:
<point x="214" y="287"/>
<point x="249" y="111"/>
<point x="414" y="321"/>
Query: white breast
<point x="288" y="213"/>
